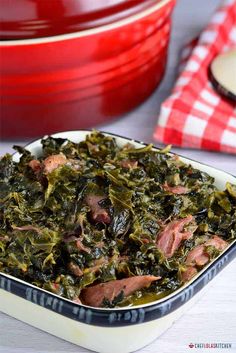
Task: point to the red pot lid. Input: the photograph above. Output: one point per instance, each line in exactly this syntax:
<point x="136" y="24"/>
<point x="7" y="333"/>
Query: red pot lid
<point x="21" y="19"/>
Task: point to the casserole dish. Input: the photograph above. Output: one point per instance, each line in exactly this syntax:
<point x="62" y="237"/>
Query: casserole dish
<point x="76" y="80"/>
<point x="124" y="329"/>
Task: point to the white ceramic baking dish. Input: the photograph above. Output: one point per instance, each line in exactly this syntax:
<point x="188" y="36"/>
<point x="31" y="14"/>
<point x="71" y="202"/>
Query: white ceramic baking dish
<point x="120" y="330"/>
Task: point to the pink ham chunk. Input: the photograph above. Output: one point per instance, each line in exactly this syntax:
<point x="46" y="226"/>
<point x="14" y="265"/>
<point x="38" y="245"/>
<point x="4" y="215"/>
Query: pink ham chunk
<point x="98" y="213"/>
<point x="188" y="274"/>
<point x="178" y="190"/>
<point x="27" y="228"/>
<point x="129" y="164"/>
<point x="53" y="162"/>
<point x="77" y="301"/>
<point x="199" y="256"/>
<point x="78" y="241"/>
<point x="75" y="269"/>
<point x="81" y="247"/>
<point x="169" y="240"/>
<point x="94" y="296"/>
<point x="35" y="165"/>
<point x="217" y="242"/>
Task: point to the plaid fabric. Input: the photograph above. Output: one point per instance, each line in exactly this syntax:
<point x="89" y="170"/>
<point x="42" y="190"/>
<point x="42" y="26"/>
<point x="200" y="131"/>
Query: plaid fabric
<point x="195" y="115"/>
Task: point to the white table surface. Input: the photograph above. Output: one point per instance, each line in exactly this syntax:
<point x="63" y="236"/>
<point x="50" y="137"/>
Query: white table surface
<point x="213" y="318"/>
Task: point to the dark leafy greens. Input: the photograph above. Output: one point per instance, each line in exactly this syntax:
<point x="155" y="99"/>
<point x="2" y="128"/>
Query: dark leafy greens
<point x="109" y="226"/>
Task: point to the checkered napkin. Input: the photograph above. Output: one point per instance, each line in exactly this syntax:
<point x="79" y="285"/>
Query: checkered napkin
<point x="195" y="115"/>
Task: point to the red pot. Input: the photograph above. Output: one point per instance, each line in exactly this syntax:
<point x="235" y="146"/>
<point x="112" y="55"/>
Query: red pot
<point x="76" y="80"/>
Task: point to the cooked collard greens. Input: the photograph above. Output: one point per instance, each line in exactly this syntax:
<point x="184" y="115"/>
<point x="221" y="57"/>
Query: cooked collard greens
<point x="109" y="226"/>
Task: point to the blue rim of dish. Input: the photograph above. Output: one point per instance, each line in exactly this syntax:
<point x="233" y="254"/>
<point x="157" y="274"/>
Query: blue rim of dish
<point x="115" y="317"/>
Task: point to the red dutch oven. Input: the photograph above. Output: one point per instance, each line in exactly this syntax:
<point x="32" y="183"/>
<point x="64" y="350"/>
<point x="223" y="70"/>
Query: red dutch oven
<point x="72" y="64"/>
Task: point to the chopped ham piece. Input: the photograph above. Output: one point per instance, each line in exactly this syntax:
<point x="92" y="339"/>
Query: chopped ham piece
<point x="53" y="162"/>
<point x="82" y="247"/>
<point x="217" y="242"/>
<point x="168" y="241"/>
<point x="55" y="286"/>
<point x="98" y="213"/>
<point x="179" y="190"/>
<point x="95" y="295"/>
<point x="77" y="301"/>
<point x="75" y="269"/>
<point x="129" y="164"/>
<point x="35" y="165"/>
<point x="188" y="273"/>
<point x="145" y="240"/>
<point x="26" y="228"/>
<point x="199" y="256"/>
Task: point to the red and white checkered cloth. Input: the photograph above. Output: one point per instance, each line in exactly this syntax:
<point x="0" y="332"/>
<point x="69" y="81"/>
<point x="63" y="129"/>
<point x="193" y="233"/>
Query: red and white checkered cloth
<point x="195" y="115"/>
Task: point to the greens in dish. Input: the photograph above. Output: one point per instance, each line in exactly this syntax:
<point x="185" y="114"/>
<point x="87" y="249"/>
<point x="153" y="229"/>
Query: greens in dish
<point x="107" y="225"/>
